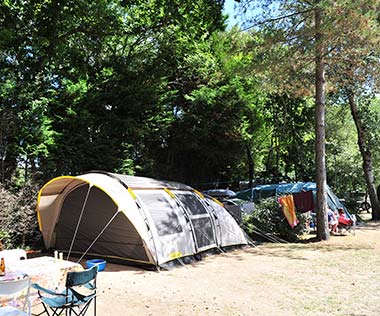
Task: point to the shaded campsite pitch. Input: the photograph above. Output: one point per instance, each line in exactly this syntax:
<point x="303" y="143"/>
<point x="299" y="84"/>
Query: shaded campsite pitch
<point x="338" y="277"/>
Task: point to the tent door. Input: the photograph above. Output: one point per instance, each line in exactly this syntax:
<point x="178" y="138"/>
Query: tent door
<point x="200" y="218"/>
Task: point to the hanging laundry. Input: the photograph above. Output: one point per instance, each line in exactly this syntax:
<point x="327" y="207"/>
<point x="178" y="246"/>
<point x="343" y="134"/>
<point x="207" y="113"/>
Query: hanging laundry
<point x="304" y="201"/>
<point x="288" y="208"/>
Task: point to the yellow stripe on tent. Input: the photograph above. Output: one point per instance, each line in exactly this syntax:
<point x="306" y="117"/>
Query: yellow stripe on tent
<point x="217" y="201"/>
<point x="175" y="255"/>
<point x="170" y="193"/>
<point x="73" y="178"/>
<point x="199" y="194"/>
<point x="132" y="193"/>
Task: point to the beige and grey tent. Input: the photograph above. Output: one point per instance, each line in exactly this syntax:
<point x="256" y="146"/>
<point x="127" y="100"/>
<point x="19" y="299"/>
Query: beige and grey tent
<point x="133" y="219"/>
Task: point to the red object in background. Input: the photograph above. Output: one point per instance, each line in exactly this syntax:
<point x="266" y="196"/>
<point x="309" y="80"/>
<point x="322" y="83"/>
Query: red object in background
<point x="344" y="221"/>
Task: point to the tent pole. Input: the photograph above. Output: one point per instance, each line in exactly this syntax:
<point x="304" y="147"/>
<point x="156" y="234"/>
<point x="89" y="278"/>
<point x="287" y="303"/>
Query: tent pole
<point x="97" y="237"/>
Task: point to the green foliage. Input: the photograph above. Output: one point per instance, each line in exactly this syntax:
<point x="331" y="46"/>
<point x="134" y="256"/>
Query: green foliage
<point x="214" y="111"/>
<point x="77" y="86"/>
<point x="4" y="237"/>
<point x="343" y="159"/>
<point x="150" y="88"/>
<point x="157" y="88"/>
<point x="344" y="170"/>
<point x="292" y="139"/>
<point x="269" y="218"/>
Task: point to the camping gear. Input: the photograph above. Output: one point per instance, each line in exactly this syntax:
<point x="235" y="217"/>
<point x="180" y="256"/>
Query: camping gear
<point x="134" y="220"/>
<point x="238" y="207"/>
<point x="46" y="271"/>
<point x="101" y="264"/>
<point x="346" y="223"/>
<point x="220" y="193"/>
<point x="72" y="299"/>
<point x="12" y="256"/>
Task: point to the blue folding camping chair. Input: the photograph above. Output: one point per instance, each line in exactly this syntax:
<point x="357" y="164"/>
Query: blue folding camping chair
<point x="80" y="291"/>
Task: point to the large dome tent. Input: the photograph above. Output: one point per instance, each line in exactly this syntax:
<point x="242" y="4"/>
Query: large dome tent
<point x="132" y="219"/>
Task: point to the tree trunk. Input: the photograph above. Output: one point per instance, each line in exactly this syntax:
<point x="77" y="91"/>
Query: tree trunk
<point x="250" y="165"/>
<point x="321" y="207"/>
<point x="3" y="151"/>
<point x="367" y="158"/>
<point x="268" y="164"/>
<point x="26" y="175"/>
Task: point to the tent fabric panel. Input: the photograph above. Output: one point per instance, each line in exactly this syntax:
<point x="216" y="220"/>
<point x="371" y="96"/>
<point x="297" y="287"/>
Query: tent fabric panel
<point x="133" y="252"/>
<point x="229" y="232"/>
<point x="120" y="195"/>
<point x="45" y="216"/>
<point x="57" y="185"/>
<point x="48" y="206"/>
<point x="119" y="239"/>
<point x="173" y="239"/>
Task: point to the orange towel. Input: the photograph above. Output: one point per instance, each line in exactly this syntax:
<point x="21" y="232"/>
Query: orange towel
<point x="288" y="208"/>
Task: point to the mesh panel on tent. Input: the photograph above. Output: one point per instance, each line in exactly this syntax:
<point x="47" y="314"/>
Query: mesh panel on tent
<point x="203" y="231"/>
<point x="200" y="219"/>
<point x="164" y="217"/>
<point x="191" y="203"/>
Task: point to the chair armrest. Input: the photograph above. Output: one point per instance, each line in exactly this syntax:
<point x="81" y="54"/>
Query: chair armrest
<point x="90" y="286"/>
<point x="42" y="289"/>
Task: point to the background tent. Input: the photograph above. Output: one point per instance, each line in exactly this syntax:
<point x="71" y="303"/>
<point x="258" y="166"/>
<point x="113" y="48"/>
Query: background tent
<point x="134" y="219"/>
<point x="260" y="192"/>
<point x="220" y="193"/>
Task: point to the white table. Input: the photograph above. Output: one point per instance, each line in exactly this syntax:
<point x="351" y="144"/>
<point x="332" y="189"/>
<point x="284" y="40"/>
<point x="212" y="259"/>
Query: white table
<point x="48" y="272"/>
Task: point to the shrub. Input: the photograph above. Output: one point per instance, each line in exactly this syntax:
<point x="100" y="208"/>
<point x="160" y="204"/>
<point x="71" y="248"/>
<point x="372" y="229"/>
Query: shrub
<point x="18" y="218"/>
<point x="269" y="218"/>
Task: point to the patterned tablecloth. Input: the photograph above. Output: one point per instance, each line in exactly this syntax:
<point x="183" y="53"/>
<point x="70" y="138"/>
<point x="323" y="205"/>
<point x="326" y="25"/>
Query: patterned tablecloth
<point x="46" y="271"/>
<point x="11" y="276"/>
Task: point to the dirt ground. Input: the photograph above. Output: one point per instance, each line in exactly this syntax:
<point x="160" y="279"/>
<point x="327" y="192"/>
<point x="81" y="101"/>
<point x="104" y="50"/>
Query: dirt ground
<point x="338" y="277"/>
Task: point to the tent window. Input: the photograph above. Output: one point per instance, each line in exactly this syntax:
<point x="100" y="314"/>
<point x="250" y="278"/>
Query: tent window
<point x="203" y="231"/>
<point x="164" y="216"/>
<point x="191" y="203"/>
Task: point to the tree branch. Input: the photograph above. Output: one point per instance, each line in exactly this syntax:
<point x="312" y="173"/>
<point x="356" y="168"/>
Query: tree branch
<point x="277" y="19"/>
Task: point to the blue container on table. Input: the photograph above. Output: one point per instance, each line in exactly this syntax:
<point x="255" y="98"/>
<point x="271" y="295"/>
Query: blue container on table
<point x="96" y="262"/>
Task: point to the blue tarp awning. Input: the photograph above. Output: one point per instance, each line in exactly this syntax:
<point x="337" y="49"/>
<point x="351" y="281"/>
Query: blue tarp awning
<point x="269" y="190"/>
